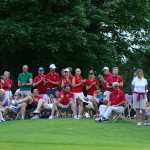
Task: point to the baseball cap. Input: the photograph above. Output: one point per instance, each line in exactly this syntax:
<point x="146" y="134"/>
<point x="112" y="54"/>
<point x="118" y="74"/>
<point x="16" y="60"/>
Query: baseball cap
<point x="67" y="70"/>
<point x="91" y="72"/>
<point x="41" y="69"/>
<point x="52" y="66"/>
<point x="115" y="83"/>
<point x="105" y="68"/>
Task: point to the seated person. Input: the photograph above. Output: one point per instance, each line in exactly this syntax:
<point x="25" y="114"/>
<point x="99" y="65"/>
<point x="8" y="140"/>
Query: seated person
<point x="13" y="109"/>
<point x="29" y="102"/>
<point x="42" y="104"/>
<point x="116" y="103"/>
<point x="65" y="100"/>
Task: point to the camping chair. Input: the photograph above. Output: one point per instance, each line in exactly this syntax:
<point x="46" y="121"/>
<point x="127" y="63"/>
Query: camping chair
<point x="126" y="107"/>
<point x="64" y="110"/>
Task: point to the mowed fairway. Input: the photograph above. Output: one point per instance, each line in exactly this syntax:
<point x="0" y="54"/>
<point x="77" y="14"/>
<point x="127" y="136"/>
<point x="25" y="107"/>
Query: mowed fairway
<point x="71" y="134"/>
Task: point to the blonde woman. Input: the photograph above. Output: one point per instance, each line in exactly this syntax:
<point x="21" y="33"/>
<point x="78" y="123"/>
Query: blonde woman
<point x="6" y="85"/>
<point x="78" y="84"/>
<point x="139" y="87"/>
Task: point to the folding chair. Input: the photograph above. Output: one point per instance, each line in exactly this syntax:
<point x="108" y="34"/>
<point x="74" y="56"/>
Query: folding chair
<point x="58" y="113"/>
<point x="127" y="107"/>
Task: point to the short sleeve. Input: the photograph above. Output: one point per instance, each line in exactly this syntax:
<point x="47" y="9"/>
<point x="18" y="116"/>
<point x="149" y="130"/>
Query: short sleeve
<point x="10" y="82"/>
<point x="19" y="77"/>
<point x="86" y="83"/>
<point x="35" y="80"/>
<point x="133" y="82"/>
<point x="58" y="78"/>
<point x="30" y="76"/>
<point x="97" y="83"/>
<point x="71" y="95"/>
<point x="146" y="83"/>
<point x="121" y="79"/>
<point x="123" y="96"/>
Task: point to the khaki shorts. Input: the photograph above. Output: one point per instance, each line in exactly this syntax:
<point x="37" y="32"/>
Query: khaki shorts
<point x="24" y="94"/>
<point x="139" y="104"/>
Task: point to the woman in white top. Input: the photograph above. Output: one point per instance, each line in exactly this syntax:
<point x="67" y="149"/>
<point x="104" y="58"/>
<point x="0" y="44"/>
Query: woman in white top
<point x="139" y="87"/>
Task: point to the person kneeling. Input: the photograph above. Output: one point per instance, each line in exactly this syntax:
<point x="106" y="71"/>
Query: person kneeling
<point x="65" y="100"/>
<point x="116" y="103"/>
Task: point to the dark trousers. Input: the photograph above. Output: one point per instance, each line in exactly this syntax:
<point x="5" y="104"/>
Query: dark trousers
<point x="51" y="91"/>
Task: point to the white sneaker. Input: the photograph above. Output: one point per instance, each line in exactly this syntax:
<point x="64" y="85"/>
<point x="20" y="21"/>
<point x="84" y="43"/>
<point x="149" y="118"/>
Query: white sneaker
<point x="36" y="112"/>
<point x="22" y="117"/>
<point x="97" y="119"/>
<point x="51" y="117"/>
<point x="76" y="117"/>
<point x="139" y="123"/>
<point x="79" y="116"/>
<point x="2" y="119"/>
<point x="35" y="117"/>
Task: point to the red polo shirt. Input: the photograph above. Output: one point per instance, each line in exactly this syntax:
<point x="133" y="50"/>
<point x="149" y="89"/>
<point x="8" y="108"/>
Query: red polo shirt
<point x="93" y="88"/>
<point x="55" y="78"/>
<point x="117" y="97"/>
<point x="107" y="77"/>
<point x="78" y="89"/>
<point x="40" y="86"/>
<point x="114" y="79"/>
<point x="5" y="87"/>
<point x="66" y="82"/>
<point x="65" y="100"/>
<point x="37" y="98"/>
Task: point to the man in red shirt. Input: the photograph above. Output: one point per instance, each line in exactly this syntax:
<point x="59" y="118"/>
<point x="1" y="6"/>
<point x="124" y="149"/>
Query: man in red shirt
<point x="104" y="81"/>
<point x="91" y="84"/>
<point x="29" y="102"/>
<point x="65" y="100"/>
<point x="116" y="103"/>
<point x="39" y="83"/>
<point x="52" y="80"/>
<point x="114" y="78"/>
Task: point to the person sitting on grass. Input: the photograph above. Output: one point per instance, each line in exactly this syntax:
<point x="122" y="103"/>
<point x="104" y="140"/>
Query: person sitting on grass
<point x="43" y="105"/>
<point x="13" y="109"/>
<point x="116" y="103"/>
<point x="28" y="103"/>
<point x="65" y="100"/>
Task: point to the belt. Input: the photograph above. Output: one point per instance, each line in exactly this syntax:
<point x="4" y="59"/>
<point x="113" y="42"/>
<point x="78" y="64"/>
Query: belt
<point x="52" y="88"/>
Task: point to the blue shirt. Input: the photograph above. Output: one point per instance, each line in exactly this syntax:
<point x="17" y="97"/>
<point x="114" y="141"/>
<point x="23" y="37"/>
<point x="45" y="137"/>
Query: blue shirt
<point x="2" y="99"/>
<point x="101" y="97"/>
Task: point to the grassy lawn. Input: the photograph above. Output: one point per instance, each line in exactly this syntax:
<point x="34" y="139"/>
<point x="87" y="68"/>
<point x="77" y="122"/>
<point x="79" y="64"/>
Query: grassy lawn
<point x="71" y="134"/>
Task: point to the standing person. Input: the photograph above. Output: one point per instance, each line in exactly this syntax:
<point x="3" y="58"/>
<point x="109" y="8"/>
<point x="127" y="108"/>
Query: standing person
<point x="52" y="80"/>
<point x="139" y="87"/>
<point x="25" y="82"/>
<point x="91" y="85"/>
<point x="39" y="82"/>
<point x="114" y="78"/>
<point x="67" y="80"/>
<point x="78" y="84"/>
<point x="6" y="85"/>
<point x="104" y="81"/>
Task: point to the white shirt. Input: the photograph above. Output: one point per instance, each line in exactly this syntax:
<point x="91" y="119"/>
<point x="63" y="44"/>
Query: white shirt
<point x="139" y="84"/>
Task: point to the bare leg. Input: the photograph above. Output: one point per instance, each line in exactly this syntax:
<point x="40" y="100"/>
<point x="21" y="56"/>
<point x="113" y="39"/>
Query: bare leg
<point x="77" y="106"/>
<point x="138" y="114"/>
<point x="72" y="107"/>
<point x="55" y="104"/>
<point x="82" y="109"/>
<point x="95" y="105"/>
<point x="28" y="99"/>
<point x="6" y="111"/>
<point x="23" y="109"/>
<point x="143" y="115"/>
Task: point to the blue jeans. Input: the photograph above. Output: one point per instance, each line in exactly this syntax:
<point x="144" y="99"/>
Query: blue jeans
<point x="51" y="91"/>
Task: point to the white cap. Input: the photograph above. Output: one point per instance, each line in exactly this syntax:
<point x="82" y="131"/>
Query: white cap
<point x="52" y="66"/>
<point x="105" y="68"/>
<point x="115" y="83"/>
<point x="67" y="70"/>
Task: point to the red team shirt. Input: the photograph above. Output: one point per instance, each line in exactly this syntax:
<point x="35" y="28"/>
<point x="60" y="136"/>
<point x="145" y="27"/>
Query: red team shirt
<point x="66" y="82"/>
<point x="78" y="89"/>
<point x="117" y="97"/>
<point x="37" y="98"/>
<point x="55" y="78"/>
<point x="40" y="86"/>
<point x="93" y="88"/>
<point x="107" y="77"/>
<point x="5" y="87"/>
<point x="65" y="100"/>
<point x="114" y="79"/>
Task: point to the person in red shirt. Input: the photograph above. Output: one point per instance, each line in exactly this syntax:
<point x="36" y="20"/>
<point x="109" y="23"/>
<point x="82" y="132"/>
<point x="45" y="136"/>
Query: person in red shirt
<point x="67" y="80"/>
<point x="6" y="85"/>
<point x="29" y="102"/>
<point x="38" y="83"/>
<point x="78" y="84"/>
<point x="65" y="100"/>
<point x="115" y="104"/>
<point x="114" y="78"/>
<point x="104" y="81"/>
<point x="52" y="81"/>
<point x="91" y="84"/>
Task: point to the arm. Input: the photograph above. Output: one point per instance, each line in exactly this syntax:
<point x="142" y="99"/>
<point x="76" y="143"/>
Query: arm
<point x="30" y="82"/>
<point x="132" y="87"/>
<point x="120" y="104"/>
<point x="108" y="86"/>
<point x="9" y="85"/>
<point x="102" y="80"/>
<point x="88" y="87"/>
<point x="121" y="84"/>
<point x="4" y="102"/>
<point x="37" y="83"/>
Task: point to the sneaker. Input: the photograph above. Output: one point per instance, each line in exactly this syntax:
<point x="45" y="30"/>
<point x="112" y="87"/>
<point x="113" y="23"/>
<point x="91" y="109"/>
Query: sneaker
<point x="51" y="117"/>
<point x="105" y="120"/>
<point x="85" y="103"/>
<point x="79" y="116"/>
<point x="14" y="102"/>
<point x="76" y="117"/>
<point x="139" y="123"/>
<point x="35" y="117"/>
<point x="35" y="112"/>
<point x="22" y="117"/>
<point x="99" y="120"/>
<point x="146" y="124"/>
<point x="2" y="119"/>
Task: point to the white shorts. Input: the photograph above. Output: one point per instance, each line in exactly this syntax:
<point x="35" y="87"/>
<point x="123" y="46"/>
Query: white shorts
<point x="107" y="93"/>
<point x="44" y="97"/>
<point x="89" y="96"/>
<point x="51" y="106"/>
<point x="8" y="95"/>
<point x="64" y="106"/>
<point x="77" y="94"/>
<point x="90" y="105"/>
